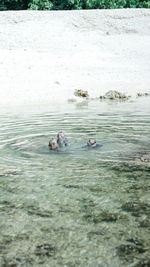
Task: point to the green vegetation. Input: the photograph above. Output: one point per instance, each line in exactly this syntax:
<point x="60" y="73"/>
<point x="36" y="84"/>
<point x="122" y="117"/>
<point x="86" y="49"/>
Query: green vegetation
<point x="13" y="4"/>
<point x="71" y="4"/>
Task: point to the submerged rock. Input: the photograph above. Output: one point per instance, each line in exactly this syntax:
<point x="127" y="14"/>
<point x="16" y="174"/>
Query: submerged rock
<point x="135" y="167"/>
<point x="143" y="161"/>
<point x="47" y="250"/>
<point x="145" y="221"/>
<point x="137" y="208"/>
<point x="142" y="262"/>
<point x="145" y="158"/>
<point x="104" y="216"/>
<point x="114" y="95"/>
<point x="40" y="213"/>
<point x="132" y="249"/>
<point x="8" y="206"/>
<point x="6" y="171"/>
<point x="81" y="93"/>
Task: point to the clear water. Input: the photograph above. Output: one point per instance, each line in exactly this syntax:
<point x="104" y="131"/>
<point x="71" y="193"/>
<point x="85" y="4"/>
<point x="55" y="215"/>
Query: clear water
<point x="78" y="207"/>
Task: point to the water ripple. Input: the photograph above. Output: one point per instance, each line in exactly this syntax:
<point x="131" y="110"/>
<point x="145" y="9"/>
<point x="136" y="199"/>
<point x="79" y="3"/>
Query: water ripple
<point x="62" y="205"/>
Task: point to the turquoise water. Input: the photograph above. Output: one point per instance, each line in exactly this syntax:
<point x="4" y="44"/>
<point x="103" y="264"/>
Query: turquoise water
<point x="77" y="207"/>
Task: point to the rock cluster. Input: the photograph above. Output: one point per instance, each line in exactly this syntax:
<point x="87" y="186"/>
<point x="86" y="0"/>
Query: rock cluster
<point x="81" y="93"/>
<point x="145" y="158"/>
<point x="142" y="94"/>
<point x="114" y="95"/>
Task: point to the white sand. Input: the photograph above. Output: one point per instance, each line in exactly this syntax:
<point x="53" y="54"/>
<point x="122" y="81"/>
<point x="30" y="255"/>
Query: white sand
<point x="45" y="56"/>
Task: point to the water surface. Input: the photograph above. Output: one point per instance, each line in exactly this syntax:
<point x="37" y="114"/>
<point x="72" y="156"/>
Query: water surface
<point x="78" y="207"/>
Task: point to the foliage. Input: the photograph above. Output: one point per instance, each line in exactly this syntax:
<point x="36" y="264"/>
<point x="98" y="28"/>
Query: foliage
<point x="71" y="4"/>
<point x="13" y="4"/>
<point x="40" y="5"/>
<point x="137" y="3"/>
<point x="105" y="4"/>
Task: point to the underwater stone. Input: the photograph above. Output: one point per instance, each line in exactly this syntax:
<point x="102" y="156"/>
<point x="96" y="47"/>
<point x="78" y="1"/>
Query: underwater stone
<point x="136" y="208"/>
<point x="145" y="222"/>
<point x="9" y="172"/>
<point x="71" y="186"/>
<point x="131" y="167"/>
<point x="132" y="249"/>
<point x="47" y="250"/>
<point x="34" y="210"/>
<point x="9" y="262"/>
<point x="145" y="158"/>
<point x="104" y="217"/>
<point x="126" y="249"/>
<point x="7" y="206"/>
<point x="142" y="263"/>
<point x="136" y="187"/>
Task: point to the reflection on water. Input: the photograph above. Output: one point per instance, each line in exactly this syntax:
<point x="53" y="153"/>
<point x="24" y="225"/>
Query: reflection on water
<point x="77" y="207"/>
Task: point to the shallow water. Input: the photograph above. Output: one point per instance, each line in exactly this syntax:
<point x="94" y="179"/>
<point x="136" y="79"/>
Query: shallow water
<point x="76" y="207"/>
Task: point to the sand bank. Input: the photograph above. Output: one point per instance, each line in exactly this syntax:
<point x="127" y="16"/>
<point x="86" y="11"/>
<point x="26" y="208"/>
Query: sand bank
<point x="45" y="55"/>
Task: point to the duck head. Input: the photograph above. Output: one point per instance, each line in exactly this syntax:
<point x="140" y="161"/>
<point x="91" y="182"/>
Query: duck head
<point x="53" y="144"/>
<point x="61" y="139"/>
<point x="91" y="142"/>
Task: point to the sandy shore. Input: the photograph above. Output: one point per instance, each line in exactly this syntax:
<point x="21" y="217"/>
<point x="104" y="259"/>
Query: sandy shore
<point x="45" y="56"/>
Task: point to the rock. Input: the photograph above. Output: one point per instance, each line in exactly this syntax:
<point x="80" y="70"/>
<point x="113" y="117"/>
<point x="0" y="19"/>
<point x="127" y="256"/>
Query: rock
<point x="47" y="250"/>
<point x="81" y="93"/>
<point x="114" y="95"/>
<point x="126" y="249"/>
<point x="142" y="262"/>
<point x="142" y="94"/>
<point x="131" y="250"/>
<point x="145" y="158"/>
<point x="132" y="168"/>
<point x="103" y="216"/>
<point x="137" y="208"/>
<point x="139" y="94"/>
<point x="145" y="221"/>
<point x="143" y="161"/>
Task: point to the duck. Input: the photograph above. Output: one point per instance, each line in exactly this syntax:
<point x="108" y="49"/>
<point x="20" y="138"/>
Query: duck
<point x="53" y="144"/>
<point x="62" y="141"/>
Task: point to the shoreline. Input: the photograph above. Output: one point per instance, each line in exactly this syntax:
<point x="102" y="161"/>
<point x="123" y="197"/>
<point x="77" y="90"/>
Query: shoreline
<point x="46" y="55"/>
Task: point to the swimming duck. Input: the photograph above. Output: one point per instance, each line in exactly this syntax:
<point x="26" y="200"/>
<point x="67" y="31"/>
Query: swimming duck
<point x="53" y="144"/>
<point x="61" y="139"/>
<point x="91" y="143"/>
